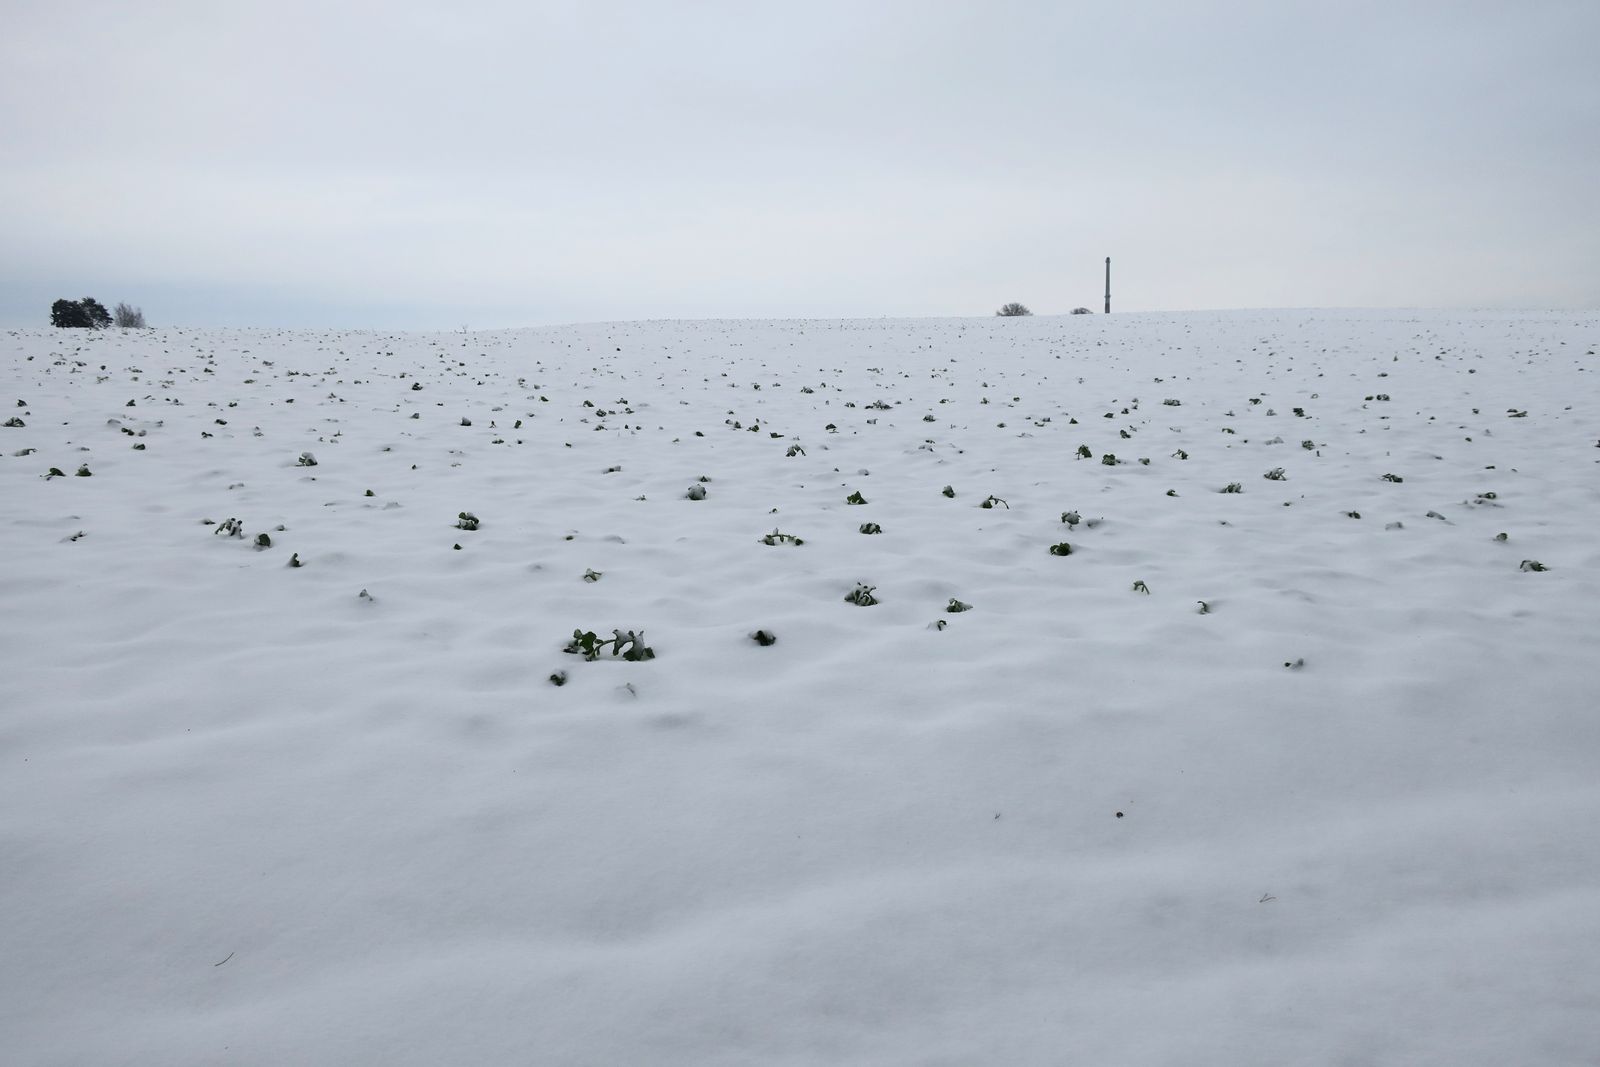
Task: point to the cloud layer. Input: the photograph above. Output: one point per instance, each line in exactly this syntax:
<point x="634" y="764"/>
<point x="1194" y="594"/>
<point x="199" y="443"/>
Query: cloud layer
<point x="411" y="165"/>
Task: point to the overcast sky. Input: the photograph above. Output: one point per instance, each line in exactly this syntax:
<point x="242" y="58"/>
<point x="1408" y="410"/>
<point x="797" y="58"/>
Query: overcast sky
<point x="403" y="164"/>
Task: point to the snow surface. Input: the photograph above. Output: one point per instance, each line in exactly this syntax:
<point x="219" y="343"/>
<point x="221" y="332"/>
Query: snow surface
<point x="1346" y="815"/>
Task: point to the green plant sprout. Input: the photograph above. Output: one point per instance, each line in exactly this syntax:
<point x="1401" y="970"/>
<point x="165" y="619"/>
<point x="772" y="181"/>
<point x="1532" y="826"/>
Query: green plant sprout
<point x="630" y="646"/>
<point x="861" y="596"/>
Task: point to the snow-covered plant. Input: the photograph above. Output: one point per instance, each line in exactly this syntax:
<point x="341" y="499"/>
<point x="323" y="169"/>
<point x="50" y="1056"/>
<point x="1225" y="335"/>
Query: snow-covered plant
<point x="695" y="492"/>
<point x="466" y="520"/>
<point x="861" y="596"/>
<point x="777" y="537"/>
<point x="957" y="606"/>
<point x="1109" y="459"/>
<point x="306" y="460"/>
<point x="1393" y="478"/>
<point x="1061" y="549"/>
<point x="870" y="528"/>
<point x="949" y="491"/>
<point x="1084" y="452"/>
<point x="630" y="646"/>
<point x="991" y="501"/>
<point x="1275" y="475"/>
<point x="1140" y="587"/>
<point x="263" y="541"/>
<point x="1232" y="487"/>
<point x="764" y="638"/>
<point x="1071" y="518"/>
<point x="1532" y="565"/>
<point x="591" y="575"/>
<point x="855" y="498"/>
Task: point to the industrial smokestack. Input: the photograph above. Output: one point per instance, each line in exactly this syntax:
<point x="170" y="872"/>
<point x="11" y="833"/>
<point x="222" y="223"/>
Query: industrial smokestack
<point x="1108" y="285"/>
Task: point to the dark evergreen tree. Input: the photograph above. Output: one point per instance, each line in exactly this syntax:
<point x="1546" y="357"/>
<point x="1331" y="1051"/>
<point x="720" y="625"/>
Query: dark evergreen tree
<point x="99" y="317"/>
<point x="67" y="313"/>
<point x="87" y="313"/>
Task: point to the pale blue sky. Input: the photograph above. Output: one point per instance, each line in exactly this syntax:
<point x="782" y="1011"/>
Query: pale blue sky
<point x="432" y="165"/>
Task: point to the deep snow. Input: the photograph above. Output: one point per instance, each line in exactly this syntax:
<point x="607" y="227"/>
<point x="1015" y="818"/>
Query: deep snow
<point x="1344" y="815"/>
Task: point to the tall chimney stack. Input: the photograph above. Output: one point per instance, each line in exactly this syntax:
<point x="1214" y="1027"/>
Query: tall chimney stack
<point x="1108" y="285"/>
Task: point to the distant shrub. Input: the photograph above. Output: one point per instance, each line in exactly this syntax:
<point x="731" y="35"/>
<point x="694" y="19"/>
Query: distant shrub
<point x="127" y="317"/>
<point x="1011" y="311"/>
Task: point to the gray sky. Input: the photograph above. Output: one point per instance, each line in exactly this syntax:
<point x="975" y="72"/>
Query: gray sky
<point x="432" y="165"/>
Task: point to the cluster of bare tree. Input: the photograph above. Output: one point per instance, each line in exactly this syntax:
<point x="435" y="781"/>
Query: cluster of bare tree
<point x="89" y="313"/>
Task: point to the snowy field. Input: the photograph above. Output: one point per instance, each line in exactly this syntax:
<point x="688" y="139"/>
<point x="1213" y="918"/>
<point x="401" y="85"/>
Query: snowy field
<point x="1302" y="773"/>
